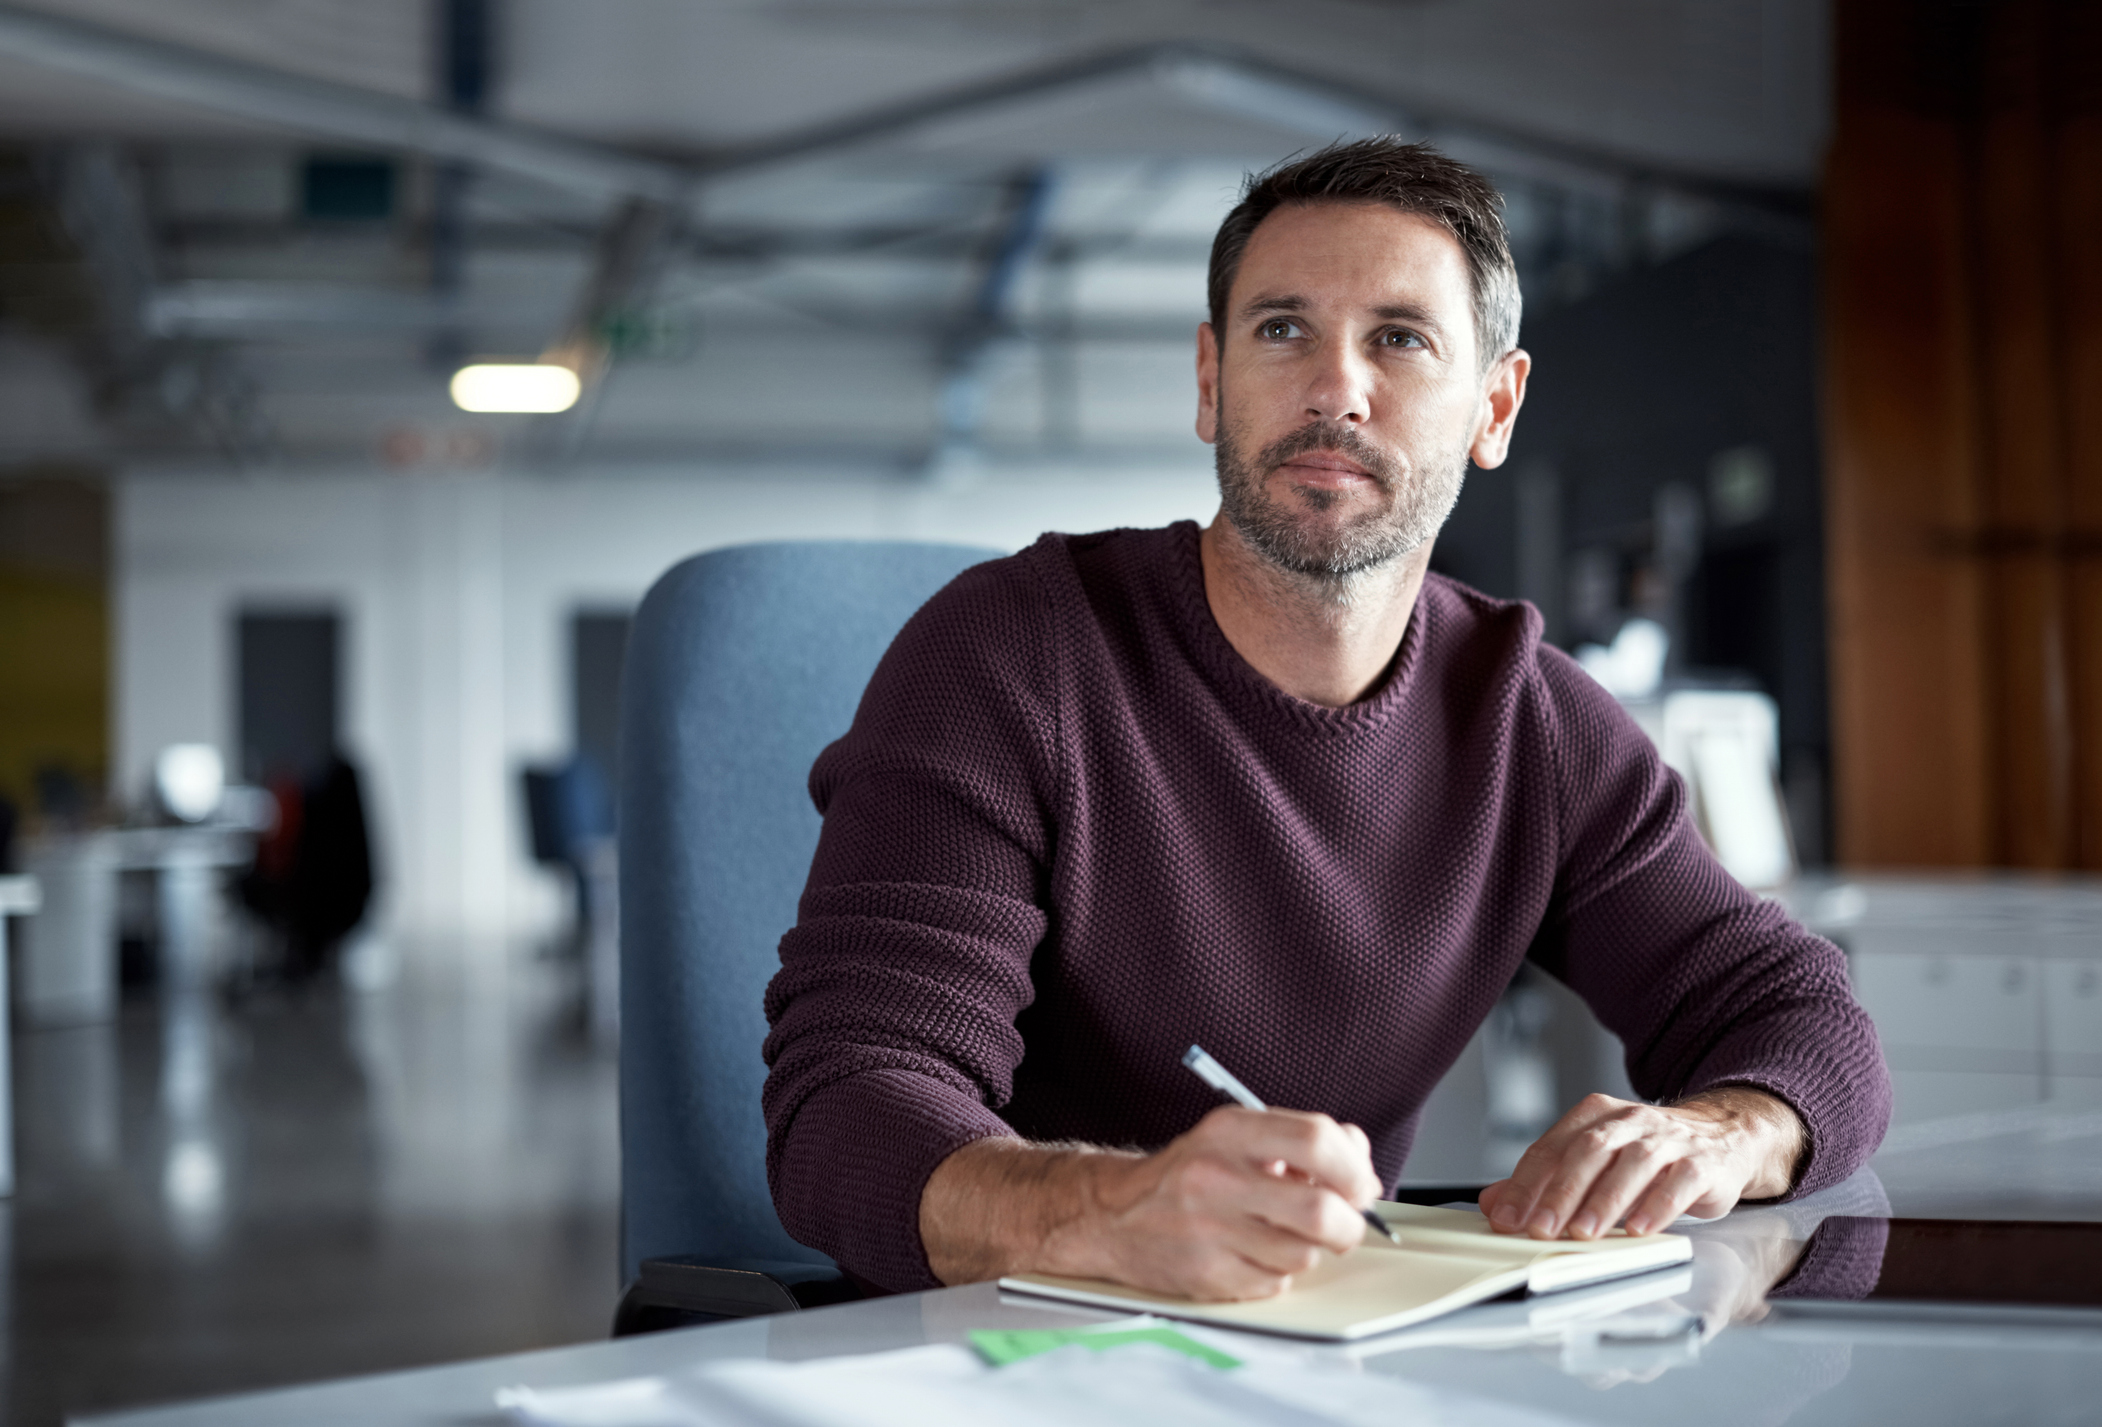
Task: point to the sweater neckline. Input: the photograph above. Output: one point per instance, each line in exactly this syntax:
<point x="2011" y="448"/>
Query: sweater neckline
<point x="1226" y="663"/>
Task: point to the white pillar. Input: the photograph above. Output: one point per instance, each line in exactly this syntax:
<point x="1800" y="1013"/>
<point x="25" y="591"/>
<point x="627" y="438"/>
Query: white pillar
<point x="446" y="628"/>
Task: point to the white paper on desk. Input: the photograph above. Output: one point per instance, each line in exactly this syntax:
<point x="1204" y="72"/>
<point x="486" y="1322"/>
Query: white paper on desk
<point x="1142" y="1385"/>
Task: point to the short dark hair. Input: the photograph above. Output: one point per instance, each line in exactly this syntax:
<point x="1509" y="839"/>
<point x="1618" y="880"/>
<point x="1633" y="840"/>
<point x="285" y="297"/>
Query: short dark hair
<point x="1414" y="178"/>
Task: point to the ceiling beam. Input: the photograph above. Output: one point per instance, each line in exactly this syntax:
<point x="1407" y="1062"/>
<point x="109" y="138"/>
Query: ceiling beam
<point x="220" y="308"/>
<point x="335" y="111"/>
<point x="1250" y="86"/>
<point x="1231" y="80"/>
<point x="722" y="243"/>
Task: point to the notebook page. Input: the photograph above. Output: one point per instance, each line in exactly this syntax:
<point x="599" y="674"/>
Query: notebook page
<point x="1469" y="1232"/>
<point x="1334" y="1299"/>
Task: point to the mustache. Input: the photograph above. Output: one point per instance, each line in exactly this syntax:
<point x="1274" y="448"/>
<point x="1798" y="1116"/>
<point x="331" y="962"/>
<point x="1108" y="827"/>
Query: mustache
<point x="1331" y="436"/>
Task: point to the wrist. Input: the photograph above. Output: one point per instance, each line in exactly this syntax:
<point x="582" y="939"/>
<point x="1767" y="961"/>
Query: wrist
<point x="1077" y="1240"/>
<point x="999" y="1206"/>
<point x="1773" y="1138"/>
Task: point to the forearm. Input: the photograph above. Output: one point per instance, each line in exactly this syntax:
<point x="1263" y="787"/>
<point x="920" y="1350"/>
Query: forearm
<point x="999" y="1206"/>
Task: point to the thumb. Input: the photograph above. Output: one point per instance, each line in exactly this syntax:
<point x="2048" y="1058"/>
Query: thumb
<point x="1369" y="1185"/>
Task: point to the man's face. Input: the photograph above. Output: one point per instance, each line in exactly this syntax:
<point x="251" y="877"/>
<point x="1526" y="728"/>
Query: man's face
<point x="1348" y="393"/>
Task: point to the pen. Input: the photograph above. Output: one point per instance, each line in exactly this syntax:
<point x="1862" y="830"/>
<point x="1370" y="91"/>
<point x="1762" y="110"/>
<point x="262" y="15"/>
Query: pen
<point x="1222" y="1080"/>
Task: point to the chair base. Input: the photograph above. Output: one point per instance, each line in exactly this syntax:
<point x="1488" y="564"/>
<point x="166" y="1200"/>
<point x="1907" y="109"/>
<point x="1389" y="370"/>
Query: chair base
<point x="684" y="1291"/>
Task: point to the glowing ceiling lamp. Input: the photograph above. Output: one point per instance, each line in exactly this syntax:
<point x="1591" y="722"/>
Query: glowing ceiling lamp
<point x="515" y="386"/>
<point x="191" y="779"/>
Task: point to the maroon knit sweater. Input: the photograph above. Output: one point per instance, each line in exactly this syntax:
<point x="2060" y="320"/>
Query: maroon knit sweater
<point x="1072" y="831"/>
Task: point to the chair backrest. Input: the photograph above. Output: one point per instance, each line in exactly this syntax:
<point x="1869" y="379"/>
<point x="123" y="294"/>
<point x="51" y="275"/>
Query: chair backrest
<point x="741" y="666"/>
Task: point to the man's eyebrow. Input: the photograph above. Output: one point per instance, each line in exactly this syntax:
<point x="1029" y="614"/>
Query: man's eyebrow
<point x="1409" y="312"/>
<point x="1273" y="302"/>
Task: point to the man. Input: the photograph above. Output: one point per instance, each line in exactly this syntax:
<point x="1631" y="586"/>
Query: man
<point x="1272" y="788"/>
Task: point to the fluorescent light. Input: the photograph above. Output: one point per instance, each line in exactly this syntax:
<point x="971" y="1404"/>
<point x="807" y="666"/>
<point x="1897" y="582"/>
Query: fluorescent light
<point x="515" y="386"/>
<point x="191" y="778"/>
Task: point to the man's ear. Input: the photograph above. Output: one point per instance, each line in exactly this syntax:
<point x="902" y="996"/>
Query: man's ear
<point x="1207" y="384"/>
<point x="1502" y="395"/>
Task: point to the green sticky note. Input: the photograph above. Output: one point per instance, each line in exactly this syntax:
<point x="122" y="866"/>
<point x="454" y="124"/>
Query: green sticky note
<point x="1001" y="1346"/>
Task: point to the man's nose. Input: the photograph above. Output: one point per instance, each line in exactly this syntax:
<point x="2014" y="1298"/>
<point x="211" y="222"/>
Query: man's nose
<point x="1339" y="388"/>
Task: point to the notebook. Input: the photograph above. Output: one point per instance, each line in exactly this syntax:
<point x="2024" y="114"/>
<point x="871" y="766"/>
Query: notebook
<point x="1551" y="1317"/>
<point x="1447" y="1259"/>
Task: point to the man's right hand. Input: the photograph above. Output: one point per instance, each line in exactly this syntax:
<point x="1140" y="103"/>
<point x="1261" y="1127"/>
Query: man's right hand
<point x="1231" y="1210"/>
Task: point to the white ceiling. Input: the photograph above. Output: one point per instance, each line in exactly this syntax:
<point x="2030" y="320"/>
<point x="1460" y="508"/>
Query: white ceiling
<point x="329" y="328"/>
<point x="1725" y="88"/>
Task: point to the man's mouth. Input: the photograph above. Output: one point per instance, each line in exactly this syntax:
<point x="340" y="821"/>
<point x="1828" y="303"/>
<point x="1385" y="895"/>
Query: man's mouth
<point x="1325" y="470"/>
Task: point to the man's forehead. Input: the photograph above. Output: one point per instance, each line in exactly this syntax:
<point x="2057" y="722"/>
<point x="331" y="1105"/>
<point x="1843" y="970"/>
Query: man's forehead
<point x="1371" y="246"/>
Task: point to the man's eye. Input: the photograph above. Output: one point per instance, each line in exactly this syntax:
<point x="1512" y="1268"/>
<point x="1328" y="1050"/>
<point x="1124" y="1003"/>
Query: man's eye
<point x="1277" y="329"/>
<point x="1398" y="338"/>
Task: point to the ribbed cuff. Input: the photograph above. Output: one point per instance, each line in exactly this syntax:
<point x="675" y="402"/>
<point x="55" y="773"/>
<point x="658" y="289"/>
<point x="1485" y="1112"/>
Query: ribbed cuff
<point x="856" y="1160"/>
<point x="1843" y="1260"/>
<point x="1844" y="1104"/>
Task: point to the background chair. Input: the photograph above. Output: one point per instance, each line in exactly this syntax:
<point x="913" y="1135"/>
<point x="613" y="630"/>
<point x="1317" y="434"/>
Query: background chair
<point x="742" y="665"/>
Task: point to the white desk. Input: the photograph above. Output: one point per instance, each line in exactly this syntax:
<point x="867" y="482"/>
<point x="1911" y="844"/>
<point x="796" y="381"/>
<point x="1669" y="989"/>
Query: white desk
<point x="1986" y="989"/>
<point x="1799" y="1370"/>
<point x="19" y="896"/>
<point x="69" y="953"/>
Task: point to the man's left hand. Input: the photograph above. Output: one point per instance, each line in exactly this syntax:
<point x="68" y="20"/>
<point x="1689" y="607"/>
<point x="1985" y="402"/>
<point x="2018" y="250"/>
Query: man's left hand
<point x="1611" y="1162"/>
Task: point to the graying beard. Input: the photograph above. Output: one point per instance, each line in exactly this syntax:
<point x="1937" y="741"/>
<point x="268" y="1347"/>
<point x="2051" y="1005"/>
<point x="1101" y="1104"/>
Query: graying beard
<point x="1339" y="573"/>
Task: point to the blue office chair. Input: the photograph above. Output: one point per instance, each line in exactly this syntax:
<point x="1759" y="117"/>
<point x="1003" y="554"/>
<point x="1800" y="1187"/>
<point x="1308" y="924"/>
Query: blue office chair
<point x="741" y="666"/>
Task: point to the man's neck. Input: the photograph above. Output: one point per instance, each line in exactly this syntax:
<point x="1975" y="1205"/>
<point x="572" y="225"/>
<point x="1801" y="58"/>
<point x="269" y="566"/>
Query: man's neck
<point x="1323" y="640"/>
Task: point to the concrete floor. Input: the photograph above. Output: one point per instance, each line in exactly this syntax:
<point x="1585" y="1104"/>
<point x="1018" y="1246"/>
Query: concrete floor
<point x="214" y="1197"/>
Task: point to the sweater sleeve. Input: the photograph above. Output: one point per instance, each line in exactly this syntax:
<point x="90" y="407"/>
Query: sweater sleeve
<point x="893" y="1037"/>
<point x="1705" y="984"/>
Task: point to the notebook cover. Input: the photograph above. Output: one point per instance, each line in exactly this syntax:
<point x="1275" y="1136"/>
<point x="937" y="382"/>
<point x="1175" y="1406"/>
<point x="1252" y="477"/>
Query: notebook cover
<point x="1448" y="1259"/>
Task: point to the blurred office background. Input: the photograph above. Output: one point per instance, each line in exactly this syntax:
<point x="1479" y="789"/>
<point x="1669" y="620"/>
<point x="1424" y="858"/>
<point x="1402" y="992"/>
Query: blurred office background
<point x="309" y="693"/>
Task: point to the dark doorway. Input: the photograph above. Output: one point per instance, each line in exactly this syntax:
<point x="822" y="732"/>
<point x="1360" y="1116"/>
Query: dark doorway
<point x="290" y="684"/>
<point x="1735" y="613"/>
<point x="598" y="647"/>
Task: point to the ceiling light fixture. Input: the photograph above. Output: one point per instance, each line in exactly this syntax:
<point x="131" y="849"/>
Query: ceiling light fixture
<point x="515" y="386"/>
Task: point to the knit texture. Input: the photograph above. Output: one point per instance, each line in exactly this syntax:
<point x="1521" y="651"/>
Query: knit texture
<point x="1072" y="831"/>
<point x="1844" y="1259"/>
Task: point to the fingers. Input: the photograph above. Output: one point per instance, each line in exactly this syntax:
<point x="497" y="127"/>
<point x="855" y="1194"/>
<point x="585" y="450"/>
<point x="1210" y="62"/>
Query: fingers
<point x="1232" y="1181"/>
<point x="1311" y="1213"/>
<point x="1571" y="1200"/>
<point x="1228" y="1263"/>
<point x="1569" y="1148"/>
<point x="1311" y="1146"/>
<point x="1279" y="1250"/>
<point x="1653" y="1172"/>
<point x="1233" y="1278"/>
<point x="1363" y="1142"/>
<point x="1230" y="1211"/>
<point x="1610" y="1162"/>
<point x="1670" y="1194"/>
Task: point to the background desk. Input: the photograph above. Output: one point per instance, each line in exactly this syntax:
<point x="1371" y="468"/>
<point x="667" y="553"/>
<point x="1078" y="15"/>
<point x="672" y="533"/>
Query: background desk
<point x="68" y="974"/>
<point x="1785" y="1369"/>
<point x="1985" y="989"/>
<point x="19" y="896"/>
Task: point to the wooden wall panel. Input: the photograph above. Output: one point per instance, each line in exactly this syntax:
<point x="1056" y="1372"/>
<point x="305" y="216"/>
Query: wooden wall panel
<point x="2011" y="181"/>
<point x="1905" y="647"/>
<point x="1961" y="382"/>
<point x="2077" y="171"/>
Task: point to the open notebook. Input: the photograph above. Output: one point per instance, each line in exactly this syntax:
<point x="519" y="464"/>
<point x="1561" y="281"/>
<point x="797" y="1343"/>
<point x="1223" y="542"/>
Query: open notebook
<point x="1448" y="1258"/>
